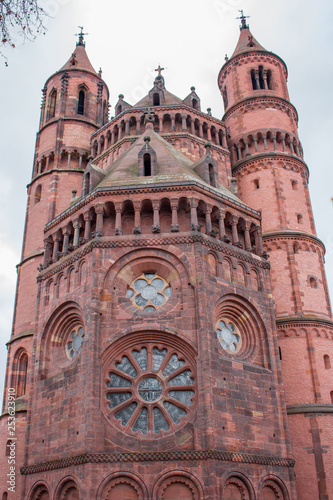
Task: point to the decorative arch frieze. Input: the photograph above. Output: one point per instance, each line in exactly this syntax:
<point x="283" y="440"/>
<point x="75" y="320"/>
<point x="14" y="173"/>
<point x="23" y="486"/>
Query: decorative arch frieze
<point x="189" y="487"/>
<point x="117" y="484"/>
<point x="236" y="486"/>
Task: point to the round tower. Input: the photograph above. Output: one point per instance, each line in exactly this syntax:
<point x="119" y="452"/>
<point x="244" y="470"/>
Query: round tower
<point x="75" y="104"/>
<point x="267" y="160"/>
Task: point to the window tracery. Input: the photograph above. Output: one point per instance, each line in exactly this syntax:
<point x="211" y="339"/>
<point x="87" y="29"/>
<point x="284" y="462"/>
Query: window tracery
<point x="149" y="291"/>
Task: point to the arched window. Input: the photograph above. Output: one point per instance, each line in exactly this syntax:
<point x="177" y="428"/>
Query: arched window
<point x="8" y="443"/>
<point x="256" y="183"/>
<point x="4" y="496"/>
<point x="80" y="106"/>
<point x="331" y="393"/>
<point x="52" y="104"/>
<point x="119" y="109"/>
<point x="253" y="78"/>
<point x="22" y="375"/>
<point x="195" y="103"/>
<point x="211" y="175"/>
<point x="327" y="362"/>
<point x="38" y="194"/>
<point x="313" y="282"/>
<point x="280" y="353"/>
<point x="147" y="165"/>
<point x="156" y="99"/>
<point x="299" y="218"/>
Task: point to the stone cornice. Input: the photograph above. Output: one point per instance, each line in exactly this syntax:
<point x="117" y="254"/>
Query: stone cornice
<point x="53" y="170"/>
<point x="26" y="259"/>
<point x="125" y="241"/>
<point x="267" y="101"/>
<point x="287" y="158"/>
<point x="303" y="322"/>
<point x="67" y="118"/>
<point x="292" y="235"/>
<point x="154" y="187"/>
<point x="309" y="408"/>
<point x="200" y="455"/>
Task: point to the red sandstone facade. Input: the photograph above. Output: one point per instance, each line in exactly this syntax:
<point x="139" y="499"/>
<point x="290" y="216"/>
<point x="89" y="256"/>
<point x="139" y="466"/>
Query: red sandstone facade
<point x="147" y="347"/>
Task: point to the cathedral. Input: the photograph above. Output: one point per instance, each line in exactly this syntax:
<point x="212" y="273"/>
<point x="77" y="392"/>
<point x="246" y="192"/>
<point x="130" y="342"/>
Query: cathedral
<point x="172" y="332"/>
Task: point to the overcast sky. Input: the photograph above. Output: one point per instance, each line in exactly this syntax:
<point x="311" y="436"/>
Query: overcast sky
<point x="189" y="38"/>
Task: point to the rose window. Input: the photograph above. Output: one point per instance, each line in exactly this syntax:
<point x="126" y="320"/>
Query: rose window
<point x="73" y="346"/>
<point x="228" y="336"/>
<point x="149" y="291"/>
<point x="151" y="390"/>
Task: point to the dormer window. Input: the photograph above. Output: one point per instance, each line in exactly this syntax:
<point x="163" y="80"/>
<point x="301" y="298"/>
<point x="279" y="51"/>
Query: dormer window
<point x="80" y="107"/>
<point x="147" y="165"/>
<point x="156" y="99"/>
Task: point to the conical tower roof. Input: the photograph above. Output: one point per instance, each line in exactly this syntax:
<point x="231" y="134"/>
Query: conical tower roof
<point x="79" y="60"/>
<point x="247" y="43"/>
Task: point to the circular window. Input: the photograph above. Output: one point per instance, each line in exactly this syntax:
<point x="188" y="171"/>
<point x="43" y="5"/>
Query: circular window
<point x="151" y="390"/>
<point x="149" y="291"/>
<point x="228" y="336"/>
<point x="73" y="346"/>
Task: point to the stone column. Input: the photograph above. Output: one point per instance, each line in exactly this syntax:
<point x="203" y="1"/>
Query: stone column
<point x="127" y="127"/>
<point x="297" y="149"/>
<point x="200" y="130"/>
<point x="184" y="124"/>
<point x="138" y="126"/>
<point x="255" y="144"/>
<point x="257" y="78"/>
<point x="291" y="146"/>
<point x="137" y="217"/>
<point x="265" y="141"/>
<point x="247" y="152"/>
<point x="248" y="246"/>
<point x="173" y="123"/>
<point x="47" y="163"/>
<point x="99" y="147"/>
<point x="118" y="229"/>
<point x="209" y="227"/>
<point x="160" y="124"/>
<point x="192" y="127"/>
<point x="66" y="233"/>
<point x="283" y="143"/>
<point x="80" y="161"/>
<point x="76" y="225"/>
<point x="87" y="227"/>
<point x="47" y="252"/>
<point x="274" y="142"/>
<point x="69" y="160"/>
<point x="265" y="79"/>
<point x="99" y="209"/>
<point x="224" y="141"/>
<point x="258" y="238"/>
<point x="239" y="152"/>
<point x="113" y="136"/>
<point x="156" y="222"/>
<point x="120" y="132"/>
<point x="39" y="171"/>
<point x="217" y="138"/>
<point x="209" y="134"/>
<point x="234" y="222"/>
<point x="174" y="221"/>
<point x="221" y="223"/>
<point x="56" y="247"/>
<point x="194" y="214"/>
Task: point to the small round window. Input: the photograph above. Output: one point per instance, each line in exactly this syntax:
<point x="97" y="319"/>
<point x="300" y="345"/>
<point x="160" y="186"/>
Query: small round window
<point x="74" y="343"/>
<point x="150" y="389"/>
<point x="148" y="292"/>
<point x="228" y="335"/>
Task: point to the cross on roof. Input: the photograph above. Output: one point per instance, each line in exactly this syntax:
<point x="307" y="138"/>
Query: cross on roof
<point x="159" y="70"/>
<point x="243" y="18"/>
<point x="81" y="35"/>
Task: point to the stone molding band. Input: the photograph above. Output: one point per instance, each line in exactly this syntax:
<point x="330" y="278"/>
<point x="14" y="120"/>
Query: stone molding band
<point x="224" y="456"/>
<point x="309" y="408"/>
<point x="151" y="242"/>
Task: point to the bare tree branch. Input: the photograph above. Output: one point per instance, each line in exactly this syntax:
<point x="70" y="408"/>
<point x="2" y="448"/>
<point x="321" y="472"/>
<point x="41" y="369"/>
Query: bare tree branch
<point x="19" y="18"/>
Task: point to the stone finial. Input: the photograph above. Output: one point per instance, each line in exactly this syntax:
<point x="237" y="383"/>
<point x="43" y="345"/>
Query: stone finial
<point x="192" y="89"/>
<point x="100" y="72"/>
<point x="74" y="193"/>
<point x="121" y="96"/>
<point x="146" y="138"/>
<point x="208" y="146"/>
<point x="226" y="58"/>
<point x="209" y="111"/>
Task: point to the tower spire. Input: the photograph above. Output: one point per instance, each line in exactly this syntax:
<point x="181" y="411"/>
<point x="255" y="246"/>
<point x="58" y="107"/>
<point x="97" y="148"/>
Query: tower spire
<point x="81" y="41"/>
<point x="243" y="18"/>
